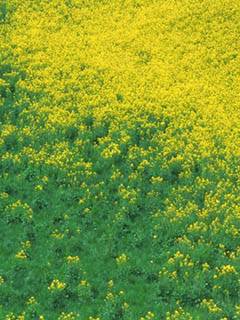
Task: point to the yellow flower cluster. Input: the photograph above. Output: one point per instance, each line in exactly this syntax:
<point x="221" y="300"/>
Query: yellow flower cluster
<point x="122" y="259"/>
<point x="237" y="310"/>
<point x="150" y="315"/>
<point x="178" y="314"/>
<point x="109" y="296"/>
<point x="111" y="151"/>
<point x="110" y="283"/>
<point x="181" y="259"/>
<point x="225" y="270"/>
<point x="84" y="283"/>
<point x="73" y="259"/>
<point x="21" y="255"/>
<point x="56" y="285"/>
<point x="211" y="306"/>
<point x="19" y="205"/>
<point x="68" y="316"/>
<point x="205" y="266"/>
<point x="11" y="316"/>
<point x="57" y="234"/>
<point x="26" y="244"/>
<point x="31" y="300"/>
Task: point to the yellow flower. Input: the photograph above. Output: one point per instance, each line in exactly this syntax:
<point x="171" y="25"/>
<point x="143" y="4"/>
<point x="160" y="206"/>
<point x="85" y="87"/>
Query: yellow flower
<point x="227" y="269"/>
<point x="224" y="271"/>
<point x="39" y="187"/>
<point x="110" y="283"/>
<point x="57" y="234"/>
<point x="45" y="179"/>
<point x="84" y="283"/>
<point x="150" y="315"/>
<point x="111" y="151"/>
<point x="122" y="259"/>
<point x="73" y="259"/>
<point x="26" y="244"/>
<point x="211" y="306"/>
<point x="205" y="266"/>
<point x="237" y="308"/>
<point x="10" y="316"/>
<point x="68" y="316"/>
<point x="21" y="255"/>
<point x="109" y="296"/>
<point x="178" y="314"/>
<point x="31" y="300"/>
<point x="57" y="285"/>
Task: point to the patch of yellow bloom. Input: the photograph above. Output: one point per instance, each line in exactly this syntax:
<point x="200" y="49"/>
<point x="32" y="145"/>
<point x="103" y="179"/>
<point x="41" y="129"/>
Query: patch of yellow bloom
<point x="110" y="283"/>
<point x="237" y="309"/>
<point x="57" y="234"/>
<point x="84" y="283"/>
<point x="4" y="195"/>
<point x="45" y="179"/>
<point x="178" y="314"/>
<point x="211" y="306"/>
<point x="38" y="187"/>
<point x="150" y="315"/>
<point x="225" y="270"/>
<point x="21" y="255"/>
<point x="125" y="305"/>
<point x="56" y="285"/>
<point x="181" y="259"/>
<point x="26" y="244"/>
<point x="205" y="266"/>
<point x="111" y="151"/>
<point x="122" y="259"/>
<point x="109" y="296"/>
<point x="31" y="300"/>
<point x="68" y="316"/>
<point x="11" y="316"/>
<point x="20" y="205"/>
<point x="73" y="259"/>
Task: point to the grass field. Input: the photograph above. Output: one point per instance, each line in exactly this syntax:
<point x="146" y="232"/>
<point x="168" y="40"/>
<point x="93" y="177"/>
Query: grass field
<point x="119" y="160"/>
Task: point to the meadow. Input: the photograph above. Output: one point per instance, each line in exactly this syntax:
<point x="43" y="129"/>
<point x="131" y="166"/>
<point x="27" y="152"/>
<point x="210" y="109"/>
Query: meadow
<point x="119" y="160"/>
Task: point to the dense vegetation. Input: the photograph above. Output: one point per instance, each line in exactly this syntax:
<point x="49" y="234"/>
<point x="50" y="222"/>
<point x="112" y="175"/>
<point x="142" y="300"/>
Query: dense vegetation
<point x="119" y="159"/>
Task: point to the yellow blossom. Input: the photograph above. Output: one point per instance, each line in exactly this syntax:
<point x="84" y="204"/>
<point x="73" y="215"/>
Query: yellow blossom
<point x="56" y="285"/>
<point x="21" y="255"/>
<point x="73" y="259"/>
<point x="122" y="258"/>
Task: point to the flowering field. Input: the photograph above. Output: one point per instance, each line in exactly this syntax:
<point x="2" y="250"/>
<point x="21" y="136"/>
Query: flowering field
<point x="119" y="160"/>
